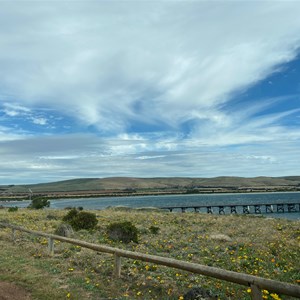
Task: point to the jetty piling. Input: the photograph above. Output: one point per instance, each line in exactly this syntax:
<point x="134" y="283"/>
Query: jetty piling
<point x="280" y="208"/>
<point x="269" y="208"/>
<point x="260" y="208"/>
<point x="233" y="209"/>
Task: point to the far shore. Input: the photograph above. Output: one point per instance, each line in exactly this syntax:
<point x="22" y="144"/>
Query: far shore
<point x="126" y="193"/>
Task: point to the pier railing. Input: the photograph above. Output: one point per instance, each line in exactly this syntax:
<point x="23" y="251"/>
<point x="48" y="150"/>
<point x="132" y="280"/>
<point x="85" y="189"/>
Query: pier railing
<point x="257" y="284"/>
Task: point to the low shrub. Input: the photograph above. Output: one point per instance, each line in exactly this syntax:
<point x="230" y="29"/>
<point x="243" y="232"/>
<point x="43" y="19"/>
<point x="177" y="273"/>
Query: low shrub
<point x="84" y="220"/>
<point x="154" y="229"/>
<point x="51" y="217"/>
<point x="39" y="203"/>
<point x="73" y="212"/>
<point x="123" y="231"/>
<point x="12" y="209"/>
<point x="80" y="219"/>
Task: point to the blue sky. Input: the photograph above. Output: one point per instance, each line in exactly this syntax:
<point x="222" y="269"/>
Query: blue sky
<point x="148" y="89"/>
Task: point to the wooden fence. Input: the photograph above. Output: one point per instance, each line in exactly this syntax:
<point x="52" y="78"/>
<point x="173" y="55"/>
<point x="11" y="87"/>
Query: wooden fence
<point x="257" y="284"/>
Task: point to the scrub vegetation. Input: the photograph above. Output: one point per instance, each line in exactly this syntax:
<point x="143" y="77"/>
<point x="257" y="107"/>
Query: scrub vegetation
<point x="260" y="246"/>
<point x="80" y="219"/>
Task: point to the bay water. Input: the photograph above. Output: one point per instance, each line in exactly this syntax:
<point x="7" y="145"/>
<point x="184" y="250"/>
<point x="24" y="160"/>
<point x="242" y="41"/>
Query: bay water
<point x="178" y="200"/>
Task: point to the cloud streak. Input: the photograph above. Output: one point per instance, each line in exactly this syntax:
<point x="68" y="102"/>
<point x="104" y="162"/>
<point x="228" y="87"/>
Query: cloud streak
<point x="57" y="158"/>
<point x="164" y="57"/>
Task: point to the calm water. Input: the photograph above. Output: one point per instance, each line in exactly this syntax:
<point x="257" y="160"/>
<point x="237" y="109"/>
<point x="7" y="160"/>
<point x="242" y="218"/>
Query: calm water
<point x="177" y="200"/>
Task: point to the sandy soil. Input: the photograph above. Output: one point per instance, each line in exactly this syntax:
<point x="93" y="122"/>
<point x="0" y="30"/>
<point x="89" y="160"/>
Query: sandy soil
<point x="10" y="291"/>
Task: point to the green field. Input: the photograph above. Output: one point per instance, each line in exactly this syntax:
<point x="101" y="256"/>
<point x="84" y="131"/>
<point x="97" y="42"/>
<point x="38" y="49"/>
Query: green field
<point x="254" y="245"/>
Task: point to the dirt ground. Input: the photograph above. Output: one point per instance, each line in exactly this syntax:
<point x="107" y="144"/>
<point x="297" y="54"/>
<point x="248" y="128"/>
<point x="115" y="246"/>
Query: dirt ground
<point x="10" y="291"/>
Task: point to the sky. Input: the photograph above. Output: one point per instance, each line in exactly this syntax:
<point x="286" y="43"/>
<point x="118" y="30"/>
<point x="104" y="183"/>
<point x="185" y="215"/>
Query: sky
<point x="148" y="89"/>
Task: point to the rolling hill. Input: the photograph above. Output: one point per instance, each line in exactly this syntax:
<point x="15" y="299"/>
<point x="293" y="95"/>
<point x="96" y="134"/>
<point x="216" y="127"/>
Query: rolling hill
<point x="144" y="184"/>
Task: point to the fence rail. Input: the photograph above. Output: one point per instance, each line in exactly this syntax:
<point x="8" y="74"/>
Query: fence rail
<point x="257" y="284"/>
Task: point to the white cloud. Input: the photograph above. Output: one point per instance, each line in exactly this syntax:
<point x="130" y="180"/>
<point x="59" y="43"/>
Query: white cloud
<point x="158" y="62"/>
<point x="150" y="157"/>
<point x="11" y="113"/>
<point x="13" y="110"/>
<point x="60" y="157"/>
<point x="9" y="134"/>
<point x="16" y="107"/>
<point x="54" y="158"/>
<point x="39" y="121"/>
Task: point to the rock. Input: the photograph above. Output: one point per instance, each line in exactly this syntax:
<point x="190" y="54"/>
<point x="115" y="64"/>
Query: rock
<point x="65" y="230"/>
<point x="199" y="293"/>
<point x="221" y="237"/>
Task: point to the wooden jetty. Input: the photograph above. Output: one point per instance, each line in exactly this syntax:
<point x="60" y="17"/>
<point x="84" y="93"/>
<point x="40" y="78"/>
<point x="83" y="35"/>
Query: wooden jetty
<point x="261" y="208"/>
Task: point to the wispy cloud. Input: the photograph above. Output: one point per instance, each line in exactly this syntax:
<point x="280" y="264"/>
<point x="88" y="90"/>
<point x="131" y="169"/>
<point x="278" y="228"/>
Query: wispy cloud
<point x="42" y="159"/>
<point x="13" y="110"/>
<point x="39" y="121"/>
<point x="164" y="57"/>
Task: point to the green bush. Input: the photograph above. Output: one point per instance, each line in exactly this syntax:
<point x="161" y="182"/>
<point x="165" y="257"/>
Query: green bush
<point x="73" y="212"/>
<point x="84" y="220"/>
<point x="80" y="219"/>
<point x="39" y="203"/>
<point x="123" y="231"/>
<point x="12" y="209"/>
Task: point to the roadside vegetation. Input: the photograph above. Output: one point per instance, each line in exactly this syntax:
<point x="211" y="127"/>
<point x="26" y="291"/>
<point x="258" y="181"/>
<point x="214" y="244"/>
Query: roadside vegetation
<point x="260" y="246"/>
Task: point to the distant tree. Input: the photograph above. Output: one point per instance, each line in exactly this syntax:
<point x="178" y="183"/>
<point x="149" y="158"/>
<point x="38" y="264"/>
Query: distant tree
<point x="39" y="203"/>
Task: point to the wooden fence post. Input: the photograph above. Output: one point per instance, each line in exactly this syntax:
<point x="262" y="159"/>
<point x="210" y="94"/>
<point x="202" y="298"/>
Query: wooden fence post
<point x="51" y="246"/>
<point x="117" y="271"/>
<point x="256" y="292"/>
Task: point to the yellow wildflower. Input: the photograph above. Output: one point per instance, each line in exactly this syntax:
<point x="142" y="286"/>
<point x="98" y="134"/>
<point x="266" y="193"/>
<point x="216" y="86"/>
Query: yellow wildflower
<point x="275" y="296"/>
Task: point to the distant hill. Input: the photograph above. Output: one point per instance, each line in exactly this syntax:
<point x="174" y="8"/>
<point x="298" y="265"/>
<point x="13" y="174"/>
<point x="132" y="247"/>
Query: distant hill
<point x="130" y="183"/>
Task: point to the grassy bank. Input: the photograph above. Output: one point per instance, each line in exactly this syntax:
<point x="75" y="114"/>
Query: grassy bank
<point x="254" y="245"/>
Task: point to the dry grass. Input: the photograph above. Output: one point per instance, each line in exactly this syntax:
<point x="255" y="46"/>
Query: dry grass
<point x="253" y="245"/>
